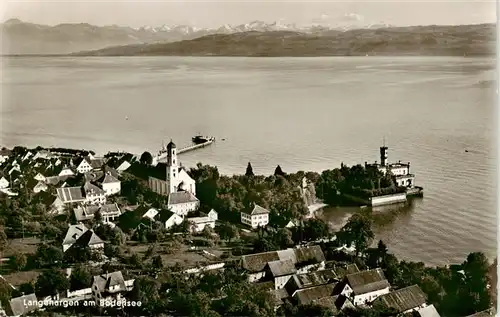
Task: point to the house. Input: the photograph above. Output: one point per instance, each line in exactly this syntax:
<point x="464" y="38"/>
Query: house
<point x="132" y="219"/>
<point x="123" y="166"/>
<point x="88" y="239"/>
<point x="110" y="184"/>
<point x="199" y="223"/>
<point x="23" y="305"/>
<point x="256" y="217"/>
<point x="343" y="271"/>
<point x="70" y="195"/>
<point x="308" y="295"/>
<point x="169" y="218"/>
<point x="305" y="259"/>
<point x="83" y="236"/>
<point x="429" y="311"/>
<point x="15" y="169"/>
<point x="281" y="271"/>
<point x="404" y="300"/>
<point x="93" y="194"/>
<point x="109" y="212"/>
<point x="27" y="156"/>
<point x="306" y="280"/>
<point x="74" y="232"/>
<point x="43" y="154"/>
<point x="170" y="177"/>
<point x="40" y="187"/>
<point x="182" y="202"/>
<point x="365" y="286"/>
<point x="83" y="165"/>
<point x="66" y="171"/>
<point x="39" y="177"/>
<point x="4" y="183"/>
<point x="110" y="286"/>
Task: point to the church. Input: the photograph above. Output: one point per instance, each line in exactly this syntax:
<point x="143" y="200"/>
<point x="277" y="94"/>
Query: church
<point x="168" y="178"/>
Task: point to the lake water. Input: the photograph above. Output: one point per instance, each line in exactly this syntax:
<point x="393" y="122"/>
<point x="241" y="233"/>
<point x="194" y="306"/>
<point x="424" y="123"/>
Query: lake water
<point x="302" y="113"/>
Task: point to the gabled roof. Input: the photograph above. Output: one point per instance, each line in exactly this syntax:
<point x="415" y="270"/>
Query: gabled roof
<point x="132" y="218"/>
<point x="279" y="295"/>
<point x="70" y="194"/>
<point x="74" y="233"/>
<point x="54" y="180"/>
<point x="87" y="212"/>
<point x="485" y="313"/>
<point x="108" y="178"/>
<point x="310" y="253"/>
<point x="92" y="189"/>
<point x="165" y="215"/>
<point x="314" y="278"/>
<point x="93" y="176"/>
<point x="104" y="282"/>
<point x="97" y="163"/>
<point x="200" y="220"/>
<point x="80" y="159"/>
<point x="258" y="261"/>
<point x="87" y="239"/>
<point x="258" y="210"/>
<point x="367" y="281"/>
<point x="181" y="198"/>
<point x="307" y="295"/>
<point x="429" y="311"/>
<point x="23" y="305"/>
<point x="106" y="169"/>
<point x="403" y="299"/>
<point x="282" y="268"/>
<point x="329" y="302"/>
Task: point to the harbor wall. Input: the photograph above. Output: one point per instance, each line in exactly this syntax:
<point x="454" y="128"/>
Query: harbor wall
<point x="379" y="200"/>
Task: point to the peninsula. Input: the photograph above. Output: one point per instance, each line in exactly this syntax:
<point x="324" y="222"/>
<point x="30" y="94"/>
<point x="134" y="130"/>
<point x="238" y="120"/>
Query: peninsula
<point x="83" y="234"/>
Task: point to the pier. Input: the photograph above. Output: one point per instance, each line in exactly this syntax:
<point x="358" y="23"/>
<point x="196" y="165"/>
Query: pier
<point x="186" y="149"/>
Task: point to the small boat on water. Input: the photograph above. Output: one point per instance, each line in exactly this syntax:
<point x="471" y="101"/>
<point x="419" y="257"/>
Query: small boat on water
<point x="200" y="139"/>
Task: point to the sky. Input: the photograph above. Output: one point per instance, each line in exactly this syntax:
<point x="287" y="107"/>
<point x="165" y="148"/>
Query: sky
<point x="206" y="13"/>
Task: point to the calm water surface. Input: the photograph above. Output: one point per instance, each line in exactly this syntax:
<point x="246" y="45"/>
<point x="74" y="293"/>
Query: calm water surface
<point x="301" y="113"/>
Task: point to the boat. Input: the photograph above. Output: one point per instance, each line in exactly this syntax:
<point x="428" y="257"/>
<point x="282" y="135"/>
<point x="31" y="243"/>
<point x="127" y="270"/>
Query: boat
<point x="200" y="139"/>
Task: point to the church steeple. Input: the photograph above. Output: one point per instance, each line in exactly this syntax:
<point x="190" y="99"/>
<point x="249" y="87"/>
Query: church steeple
<point x="172" y="167"/>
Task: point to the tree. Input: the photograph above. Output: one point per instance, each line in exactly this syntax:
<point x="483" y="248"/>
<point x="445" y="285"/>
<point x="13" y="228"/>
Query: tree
<point x="227" y="231"/>
<point x="249" y="171"/>
<point x="146" y="158"/>
<point x="19" y="261"/>
<point x="3" y="240"/>
<point x="80" y="278"/>
<point x="357" y="231"/>
<point x="157" y="262"/>
<point x="47" y="255"/>
<point x="283" y="238"/>
<point x="146" y="291"/>
<point x="278" y="171"/>
<point x="314" y="229"/>
<point x="475" y="292"/>
<point x="51" y="282"/>
<point x="78" y="254"/>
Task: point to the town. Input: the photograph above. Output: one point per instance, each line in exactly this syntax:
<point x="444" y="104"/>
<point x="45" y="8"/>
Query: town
<point x="130" y="235"/>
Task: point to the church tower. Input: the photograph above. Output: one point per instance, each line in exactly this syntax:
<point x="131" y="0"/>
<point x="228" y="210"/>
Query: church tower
<point x="172" y="167"/>
<point x="383" y="155"/>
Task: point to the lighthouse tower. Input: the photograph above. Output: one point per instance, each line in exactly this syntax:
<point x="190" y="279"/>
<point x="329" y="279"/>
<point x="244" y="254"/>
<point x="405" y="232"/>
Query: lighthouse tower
<point x="172" y="167"/>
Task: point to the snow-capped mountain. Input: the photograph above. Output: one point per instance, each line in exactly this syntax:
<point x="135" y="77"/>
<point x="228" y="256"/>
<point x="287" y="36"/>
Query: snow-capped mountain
<point x="29" y="38"/>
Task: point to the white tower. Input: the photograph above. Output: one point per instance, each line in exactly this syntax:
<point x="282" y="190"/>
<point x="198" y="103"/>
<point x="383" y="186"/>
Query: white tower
<point x="172" y="168"/>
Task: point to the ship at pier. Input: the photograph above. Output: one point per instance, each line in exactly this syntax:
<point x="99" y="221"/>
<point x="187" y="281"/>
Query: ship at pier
<point x="200" y="139"/>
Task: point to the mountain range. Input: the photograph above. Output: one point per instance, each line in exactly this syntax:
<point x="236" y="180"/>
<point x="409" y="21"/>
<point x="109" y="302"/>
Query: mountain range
<point x="20" y="37"/>
<point x="462" y="40"/>
<point x="251" y="39"/>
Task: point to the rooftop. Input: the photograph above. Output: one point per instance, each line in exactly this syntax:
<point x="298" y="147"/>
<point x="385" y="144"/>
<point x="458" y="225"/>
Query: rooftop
<point x="105" y="281"/>
<point x="428" y="311"/>
<point x="282" y="267"/>
<point x="403" y="299"/>
<point x="307" y="295"/>
<point x="314" y="278"/>
<point x="181" y="198"/>
<point x="74" y="232"/>
<point x="258" y="210"/>
<point x="23" y="305"/>
<point x="70" y="194"/>
<point x="367" y="281"/>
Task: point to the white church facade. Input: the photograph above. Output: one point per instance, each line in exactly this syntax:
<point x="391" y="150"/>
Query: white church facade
<point x="169" y="177"/>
